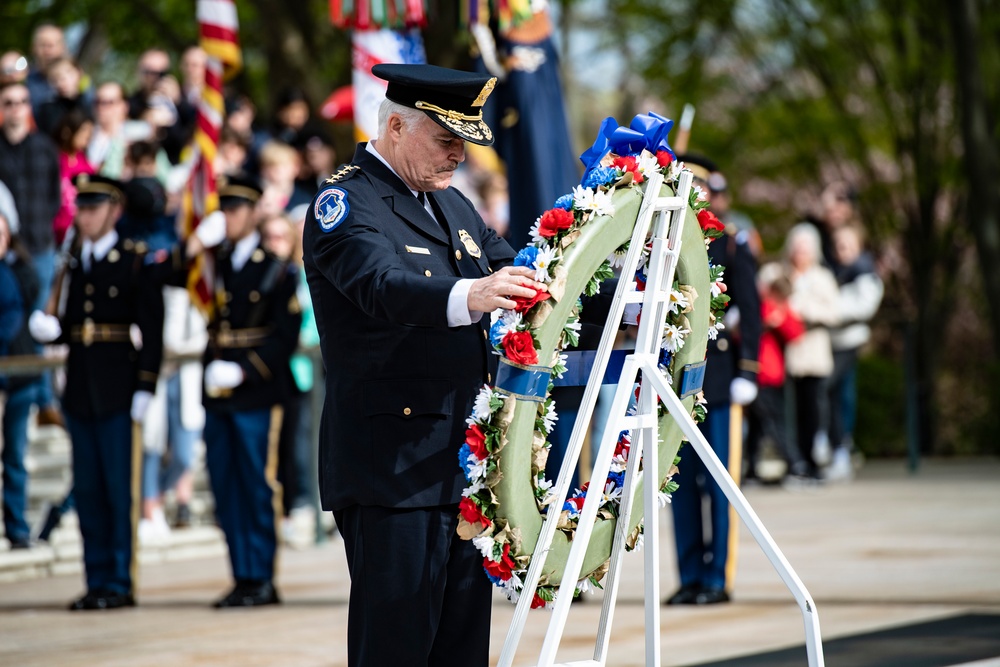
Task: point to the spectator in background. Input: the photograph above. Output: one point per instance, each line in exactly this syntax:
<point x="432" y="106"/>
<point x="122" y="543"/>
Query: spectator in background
<point x="66" y="79"/>
<point x="292" y="115"/>
<point x="158" y="101"/>
<point x="146" y="218"/>
<point x="241" y="115"/>
<point x="21" y="390"/>
<point x="860" y="295"/>
<point x="231" y="156"/>
<point x="279" y="165"/>
<point x="809" y="358"/>
<point x="838" y="207"/>
<point x="781" y="325"/>
<point x="317" y="160"/>
<point x="29" y="166"/>
<point x="8" y="209"/>
<point x="47" y="44"/>
<point x="114" y="132"/>
<point x="72" y="135"/>
<point x="13" y="68"/>
<point x="282" y="237"/>
<point x="722" y="206"/>
<point x="193" y="74"/>
<point x="175" y="418"/>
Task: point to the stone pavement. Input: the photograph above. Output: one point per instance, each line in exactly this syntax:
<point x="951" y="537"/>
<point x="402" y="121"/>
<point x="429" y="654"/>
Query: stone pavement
<point x="889" y="549"/>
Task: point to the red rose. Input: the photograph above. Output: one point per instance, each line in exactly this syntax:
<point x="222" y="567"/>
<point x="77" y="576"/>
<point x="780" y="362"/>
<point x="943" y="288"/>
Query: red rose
<point x="519" y="347"/>
<point x="553" y="221"/>
<point x="525" y="303"/>
<point x="663" y="158"/>
<point x="503" y="568"/>
<point x="537" y="602"/>
<point x="476" y="440"/>
<point x="629" y="164"/>
<point x="470" y="512"/>
<point x="709" y="222"/>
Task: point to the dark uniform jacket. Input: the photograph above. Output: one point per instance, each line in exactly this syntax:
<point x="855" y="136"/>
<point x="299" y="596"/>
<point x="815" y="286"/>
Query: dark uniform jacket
<point x="104" y="368"/>
<point x="255" y="324"/>
<point x="23" y="343"/>
<point x="734" y="354"/>
<point x="400" y="381"/>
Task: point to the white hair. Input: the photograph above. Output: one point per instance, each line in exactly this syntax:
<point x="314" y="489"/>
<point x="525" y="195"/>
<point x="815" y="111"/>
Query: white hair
<point x="809" y="232"/>
<point x="409" y="116"/>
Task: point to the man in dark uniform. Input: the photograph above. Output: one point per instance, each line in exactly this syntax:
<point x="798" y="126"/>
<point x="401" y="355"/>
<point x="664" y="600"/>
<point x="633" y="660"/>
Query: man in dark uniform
<point x="109" y="382"/>
<point x="402" y="270"/>
<point x="253" y="331"/>
<point x="730" y="379"/>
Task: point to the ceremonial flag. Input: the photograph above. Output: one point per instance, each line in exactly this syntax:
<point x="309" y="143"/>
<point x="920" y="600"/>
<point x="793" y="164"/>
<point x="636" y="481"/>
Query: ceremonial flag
<point x="370" y="48"/>
<point x="219" y="38"/>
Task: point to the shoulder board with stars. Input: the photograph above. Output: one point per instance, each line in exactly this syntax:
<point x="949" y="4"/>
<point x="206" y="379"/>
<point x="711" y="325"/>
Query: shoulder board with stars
<point x="343" y="173"/>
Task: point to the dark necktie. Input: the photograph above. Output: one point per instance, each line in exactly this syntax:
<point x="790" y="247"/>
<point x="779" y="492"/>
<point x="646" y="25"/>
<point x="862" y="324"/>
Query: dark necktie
<point x="422" y="198"/>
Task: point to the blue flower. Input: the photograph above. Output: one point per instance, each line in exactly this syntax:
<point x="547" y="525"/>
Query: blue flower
<point x="496" y="333"/>
<point x="618" y="478"/>
<point x="599" y="176"/>
<point x="496" y="581"/>
<point x="463" y="459"/>
<point x="526" y="257"/>
<point x="565" y="203"/>
<point x="665" y="357"/>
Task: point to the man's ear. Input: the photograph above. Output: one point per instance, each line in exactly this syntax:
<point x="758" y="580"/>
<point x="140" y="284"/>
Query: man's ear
<point x="395" y="125"/>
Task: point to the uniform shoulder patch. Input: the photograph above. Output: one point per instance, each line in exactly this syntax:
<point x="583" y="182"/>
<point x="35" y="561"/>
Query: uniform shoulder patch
<point x="343" y="173"/>
<point x="331" y="208"/>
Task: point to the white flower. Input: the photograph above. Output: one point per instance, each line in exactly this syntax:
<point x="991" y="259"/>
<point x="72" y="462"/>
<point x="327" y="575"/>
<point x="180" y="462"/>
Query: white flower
<point x="617" y="258"/>
<point x="473" y="488"/>
<point x="485" y="545"/>
<point x="713" y="333"/>
<point x="591" y="202"/>
<point x="477" y="469"/>
<point x="717" y="286"/>
<point x="612" y="493"/>
<point x="535" y="236"/>
<point x="699" y="193"/>
<point x="640" y="542"/>
<point x="647" y="163"/>
<point x="619" y="463"/>
<point x="543" y="262"/>
<point x="673" y="338"/>
<point x="584" y="586"/>
<point x="678" y="302"/>
<point x="550" y="417"/>
<point x="573" y="326"/>
<point x="481" y="408"/>
<point x="663" y="499"/>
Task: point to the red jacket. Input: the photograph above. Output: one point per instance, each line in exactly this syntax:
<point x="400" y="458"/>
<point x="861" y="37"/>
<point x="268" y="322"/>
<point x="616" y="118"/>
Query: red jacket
<point x="781" y="326"/>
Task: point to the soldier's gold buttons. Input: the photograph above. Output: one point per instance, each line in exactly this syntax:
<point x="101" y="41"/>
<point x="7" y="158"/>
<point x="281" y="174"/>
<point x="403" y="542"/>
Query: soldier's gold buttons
<point x="254" y="296"/>
<point x="723" y="345"/>
<point x="257" y="256"/>
<point x="407" y="411"/>
<point x="88" y="290"/>
<point x="485" y="335"/>
<point x="224" y="326"/>
<point x="489" y="378"/>
<point x="114" y="256"/>
<point x="112" y="291"/>
<point x="427" y="273"/>
<point x="458" y="255"/>
<point x="88" y="306"/>
<point x="224" y="311"/>
<point x="228" y="296"/>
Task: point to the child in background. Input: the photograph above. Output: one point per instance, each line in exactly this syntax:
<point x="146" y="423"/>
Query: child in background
<point x="767" y="414"/>
<point x="72" y="134"/>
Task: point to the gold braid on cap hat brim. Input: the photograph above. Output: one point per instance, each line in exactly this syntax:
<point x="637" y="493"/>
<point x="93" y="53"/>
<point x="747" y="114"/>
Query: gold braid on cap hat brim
<point x="452" y="115"/>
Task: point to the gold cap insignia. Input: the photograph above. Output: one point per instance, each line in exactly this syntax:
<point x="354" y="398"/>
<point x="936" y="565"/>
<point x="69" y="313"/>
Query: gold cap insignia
<point x="485" y="92"/>
<point x="470" y="245"/>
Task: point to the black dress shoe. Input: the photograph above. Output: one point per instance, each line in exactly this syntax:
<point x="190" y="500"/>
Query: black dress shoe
<point x="249" y="594"/>
<point x="685" y="595"/>
<point x="99" y="600"/>
<point x="711" y="596"/>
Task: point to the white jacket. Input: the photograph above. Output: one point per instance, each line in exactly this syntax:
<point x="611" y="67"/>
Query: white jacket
<point x="816" y="299"/>
<point x="859" y="301"/>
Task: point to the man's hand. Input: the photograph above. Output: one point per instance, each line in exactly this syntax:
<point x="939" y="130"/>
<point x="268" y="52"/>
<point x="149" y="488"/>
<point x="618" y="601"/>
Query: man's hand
<point x="220" y="375"/>
<point x="209" y="233"/>
<point x="43" y="327"/>
<point x="494" y="291"/>
<point x="742" y="391"/>
<point x="140" y="403"/>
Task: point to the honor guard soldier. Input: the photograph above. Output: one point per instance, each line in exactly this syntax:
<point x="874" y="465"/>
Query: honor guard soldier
<point x="110" y="377"/>
<point x="401" y="270"/>
<point x="253" y="331"/>
<point x="705" y="565"/>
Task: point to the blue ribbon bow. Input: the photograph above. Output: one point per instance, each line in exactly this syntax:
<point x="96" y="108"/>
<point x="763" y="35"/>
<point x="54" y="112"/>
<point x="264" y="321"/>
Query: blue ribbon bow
<point x="647" y="131"/>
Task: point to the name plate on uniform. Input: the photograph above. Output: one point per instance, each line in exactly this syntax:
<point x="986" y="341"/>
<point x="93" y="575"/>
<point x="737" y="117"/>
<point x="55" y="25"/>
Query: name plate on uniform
<point x="525" y="382"/>
<point x="692" y="379"/>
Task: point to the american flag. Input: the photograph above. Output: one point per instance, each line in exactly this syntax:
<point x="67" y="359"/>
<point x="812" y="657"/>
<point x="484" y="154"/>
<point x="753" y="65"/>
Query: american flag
<point x="219" y="37"/>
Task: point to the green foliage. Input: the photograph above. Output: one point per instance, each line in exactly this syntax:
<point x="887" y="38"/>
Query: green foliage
<point x="881" y="427"/>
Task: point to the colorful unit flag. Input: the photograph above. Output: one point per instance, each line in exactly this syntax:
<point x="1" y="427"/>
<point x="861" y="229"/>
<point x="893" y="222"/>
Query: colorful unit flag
<point x="370" y="48"/>
<point x="398" y="14"/>
<point x="219" y="37"/>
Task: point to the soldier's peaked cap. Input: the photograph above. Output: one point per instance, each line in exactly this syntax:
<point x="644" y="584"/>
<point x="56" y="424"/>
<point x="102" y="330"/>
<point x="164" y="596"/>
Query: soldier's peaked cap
<point x="452" y="98"/>
<point x="93" y="189"/>
<point x="238" y="189"/>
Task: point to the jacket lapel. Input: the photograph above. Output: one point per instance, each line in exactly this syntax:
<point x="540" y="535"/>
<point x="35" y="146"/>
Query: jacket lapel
<point x="397" y="196"/>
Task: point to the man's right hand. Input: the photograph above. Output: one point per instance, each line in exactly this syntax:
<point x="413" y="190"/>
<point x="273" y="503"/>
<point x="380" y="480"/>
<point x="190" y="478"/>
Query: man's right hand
<point x="494" y="291"/>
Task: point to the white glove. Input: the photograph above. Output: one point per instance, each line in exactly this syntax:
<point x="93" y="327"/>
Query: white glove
<point x="742" y="391"/>
<point x="212" y="230"/>
<point x="140" y="403"/>
<point x="632" y="311"/>
<point x="44" y="328"/>
<point x="221" y="374"/>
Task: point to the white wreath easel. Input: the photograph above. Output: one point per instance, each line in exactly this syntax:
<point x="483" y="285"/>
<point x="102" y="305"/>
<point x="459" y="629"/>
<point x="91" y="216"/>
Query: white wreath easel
<point x="666" y="215"/>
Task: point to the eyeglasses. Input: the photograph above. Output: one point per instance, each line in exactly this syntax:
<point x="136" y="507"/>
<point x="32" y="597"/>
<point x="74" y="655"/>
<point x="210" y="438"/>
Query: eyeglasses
<point x="14" y="103"/>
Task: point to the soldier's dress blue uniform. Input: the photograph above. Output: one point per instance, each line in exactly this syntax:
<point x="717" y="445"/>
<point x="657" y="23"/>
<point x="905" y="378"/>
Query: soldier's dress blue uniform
<point x="103" y="371"/>
<point x="702" y="563"/>
<point x="400" y="382"/>
<point x="255" y="324"/>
